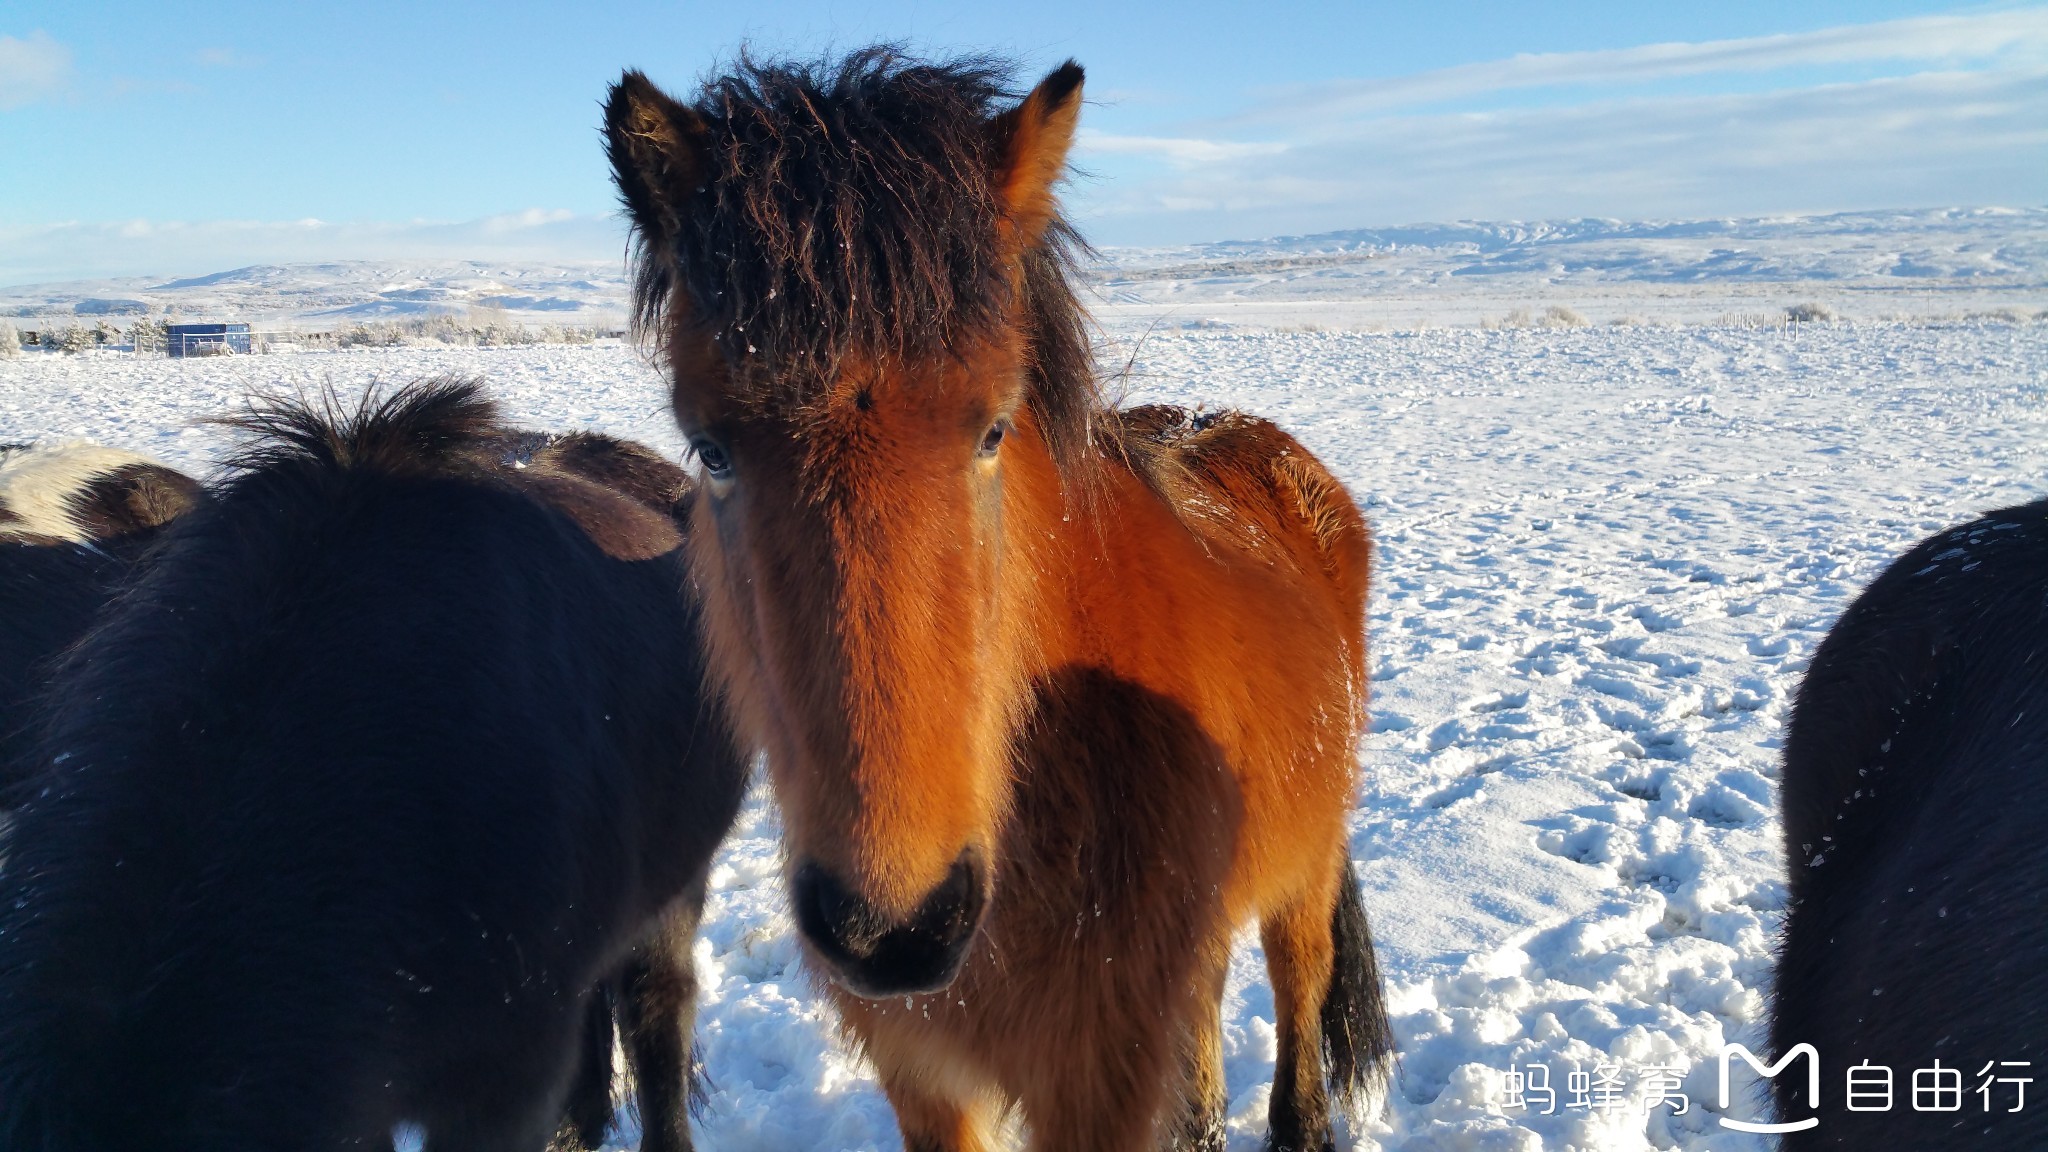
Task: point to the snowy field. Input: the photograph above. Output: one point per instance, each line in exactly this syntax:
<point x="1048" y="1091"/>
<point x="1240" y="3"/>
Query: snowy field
<point x="1605" y="554"/>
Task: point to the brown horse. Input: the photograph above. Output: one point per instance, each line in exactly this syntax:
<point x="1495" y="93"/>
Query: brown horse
<point x="1054" y="697"/>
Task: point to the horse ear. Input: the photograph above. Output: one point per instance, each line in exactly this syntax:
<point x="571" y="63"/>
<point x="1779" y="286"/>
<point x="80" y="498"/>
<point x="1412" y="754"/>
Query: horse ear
<point x="1032" y="140"/>
<point x="656" y="146"/>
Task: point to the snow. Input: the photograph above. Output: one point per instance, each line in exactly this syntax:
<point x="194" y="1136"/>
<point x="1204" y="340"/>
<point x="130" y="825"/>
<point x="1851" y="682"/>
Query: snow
<point x="338" y="293"/>
<point x="1604" y="557"/>
<point x="1930" y="262"/>
<point x="1935" y="262"/>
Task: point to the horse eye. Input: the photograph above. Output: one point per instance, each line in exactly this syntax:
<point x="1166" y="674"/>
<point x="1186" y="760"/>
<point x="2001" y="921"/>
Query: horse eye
<point x="717" y="464"/>
<point x="993" y="438"/>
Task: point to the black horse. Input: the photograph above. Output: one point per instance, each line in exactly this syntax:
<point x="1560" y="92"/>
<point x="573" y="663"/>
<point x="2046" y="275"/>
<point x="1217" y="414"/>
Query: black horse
<point x="1916" y="827"/>
<point x="350" y="807"/>
<point x="74" y="519"/>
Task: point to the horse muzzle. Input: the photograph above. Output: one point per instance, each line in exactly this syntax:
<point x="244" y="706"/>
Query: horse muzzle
<point x="874" y="955"/>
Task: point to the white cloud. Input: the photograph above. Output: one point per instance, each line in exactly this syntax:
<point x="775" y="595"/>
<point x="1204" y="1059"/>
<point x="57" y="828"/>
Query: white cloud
<point x="1961" y="119"/>
<point x="31" y="69"/>
<point x="2017" y="36"/>
<point x="1181" y="152"/>
<point x="524" y="221"/>
<point x="1944" y="138"/>
<point x="172" y="248"/>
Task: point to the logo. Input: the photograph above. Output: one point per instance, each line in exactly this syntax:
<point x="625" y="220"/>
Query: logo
<point x="1867" y="1087"/>
<point x="1770" y="1072"/>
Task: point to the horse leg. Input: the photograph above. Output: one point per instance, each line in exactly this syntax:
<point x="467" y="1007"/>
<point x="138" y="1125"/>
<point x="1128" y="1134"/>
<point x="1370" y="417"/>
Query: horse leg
<point x="1107" y="1100"/>
<point x="520" y="1134"/>
<point x="514" y="1104"/>
<point x="587" y="1115"/>
<point x="658" y="1020"/>
<point x="930" y="1121"/>
<point x="1300" y="957"/>
<point x="1101" y="1083"/>
<point x="1199" y="1128"/>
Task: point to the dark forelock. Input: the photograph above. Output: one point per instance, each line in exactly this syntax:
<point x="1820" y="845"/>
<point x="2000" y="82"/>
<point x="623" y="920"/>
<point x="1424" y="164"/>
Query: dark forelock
<point x="846" y="205"/>
<point x="850" y="205"/>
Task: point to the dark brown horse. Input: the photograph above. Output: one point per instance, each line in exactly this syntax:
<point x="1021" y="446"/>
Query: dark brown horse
<point x="1055" y="697"/>
<point x="389" y="768"/>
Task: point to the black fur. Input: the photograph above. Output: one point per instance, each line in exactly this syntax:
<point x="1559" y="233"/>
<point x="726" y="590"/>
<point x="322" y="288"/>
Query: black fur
<point x="809" y="211"/>
<point x="49" y="595"/>
<point x="1915" y="786"/>
<point x="1358" y="1040"/>
<point x="50" y="590"/>
<point x="350" y="804"/>
<point x="846" y="203"/>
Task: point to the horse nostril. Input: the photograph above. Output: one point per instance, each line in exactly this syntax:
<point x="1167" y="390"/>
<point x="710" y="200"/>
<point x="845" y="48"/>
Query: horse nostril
<point x="829" y="913"/>
<point x="954" y="907"/>
<point x="873" y="956"/>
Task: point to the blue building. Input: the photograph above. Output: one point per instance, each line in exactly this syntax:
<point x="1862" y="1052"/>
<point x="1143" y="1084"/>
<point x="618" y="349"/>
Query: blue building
<point x="206" y="339"/>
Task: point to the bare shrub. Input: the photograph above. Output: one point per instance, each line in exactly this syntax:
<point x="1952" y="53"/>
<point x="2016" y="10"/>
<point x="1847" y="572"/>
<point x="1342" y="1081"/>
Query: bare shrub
<point x="1998" y="316"/>
<point x="1748" y="320"/>
<point x="1554" y="316"/>
<point x="428" y="331"/>
<point x="1810" y="313"/>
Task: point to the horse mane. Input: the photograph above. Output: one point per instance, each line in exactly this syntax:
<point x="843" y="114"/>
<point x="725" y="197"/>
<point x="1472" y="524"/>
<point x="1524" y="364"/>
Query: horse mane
<point x="849" y="206"/>
<point x="621" y="495"/>
<point x="427" y="426"/>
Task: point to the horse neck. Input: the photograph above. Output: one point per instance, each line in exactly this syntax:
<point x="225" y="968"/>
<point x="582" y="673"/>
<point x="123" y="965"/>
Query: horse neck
<point x="1065" y="539"/>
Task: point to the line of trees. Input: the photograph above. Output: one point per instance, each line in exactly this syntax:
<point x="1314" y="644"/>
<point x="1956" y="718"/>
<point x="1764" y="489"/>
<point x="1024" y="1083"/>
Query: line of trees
<point x="148" y="335"/>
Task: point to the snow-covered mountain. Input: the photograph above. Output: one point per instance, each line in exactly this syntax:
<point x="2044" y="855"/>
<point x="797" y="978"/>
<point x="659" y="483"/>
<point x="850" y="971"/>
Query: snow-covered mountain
<point x="1910" y="262"/>
<point x="339" y="293"/>
<point x="1930" y="263"/>
<point x="1980" y="245"/>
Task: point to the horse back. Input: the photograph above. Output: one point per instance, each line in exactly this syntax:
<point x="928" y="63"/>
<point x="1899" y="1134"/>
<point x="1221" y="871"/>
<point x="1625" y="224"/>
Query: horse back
<point x="1245" y="568"/>
<point x="1251" y="493"/>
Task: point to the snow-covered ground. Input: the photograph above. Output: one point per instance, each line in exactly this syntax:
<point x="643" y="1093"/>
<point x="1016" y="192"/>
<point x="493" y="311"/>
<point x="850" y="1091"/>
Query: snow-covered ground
<point x="1605" y="554"/>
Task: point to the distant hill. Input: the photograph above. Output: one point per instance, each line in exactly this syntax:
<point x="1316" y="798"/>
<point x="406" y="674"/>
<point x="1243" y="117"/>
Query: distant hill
<point x="1921" y="254"/>
<point x="1979" y="245"/>
<point x="334" y="295"/>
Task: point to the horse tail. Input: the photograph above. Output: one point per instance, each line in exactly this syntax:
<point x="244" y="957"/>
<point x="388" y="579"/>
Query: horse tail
<point x="1358" y="1040"/>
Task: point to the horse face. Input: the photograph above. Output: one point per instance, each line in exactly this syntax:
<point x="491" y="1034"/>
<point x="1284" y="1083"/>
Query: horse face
<point x="862" y="537"/>
<point x="864" y="601"/>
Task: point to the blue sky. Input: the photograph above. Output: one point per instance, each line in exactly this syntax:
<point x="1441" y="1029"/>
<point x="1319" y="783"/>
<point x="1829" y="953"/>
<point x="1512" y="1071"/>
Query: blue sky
<point x="152" y="139"/>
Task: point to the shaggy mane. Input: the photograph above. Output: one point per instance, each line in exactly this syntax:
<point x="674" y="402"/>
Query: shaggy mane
<point x="426" y="426"/>
<point x="850" y="206"/>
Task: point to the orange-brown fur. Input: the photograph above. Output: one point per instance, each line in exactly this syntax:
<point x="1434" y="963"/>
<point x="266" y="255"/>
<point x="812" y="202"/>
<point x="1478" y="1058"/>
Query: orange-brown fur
<point x="1135" y="684"/>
